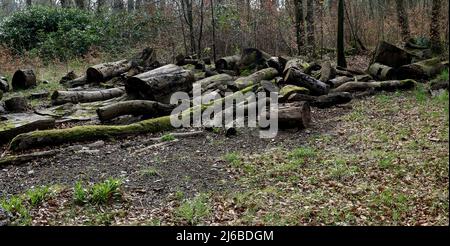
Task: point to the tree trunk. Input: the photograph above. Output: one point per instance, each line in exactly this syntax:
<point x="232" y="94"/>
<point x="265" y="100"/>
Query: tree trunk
<point x="391" y="55"/>
<point x="422" y="70"/>
<point x="391" y="85"/>
<point x="76" y="82"/>
<point x="252" y="58"/>
<point x="324" y="101"/>
<point x="17" y="104"/>
<point x="296" y="77"/>
<point x="295" y="63"/>
<point x="137" y="107"/>
<point x="435" y="32"/>
<point x="255" y="78"/>
<point x="228" y="63"/>
<point x="299" y="25"/>
<point x="23" y="79"/>
<point x="340" y="39"/>
<point x="338" y="81"/>
<point x="382" y="72"/>
<point x="25" y="158"/>
<point x="12" y="125"/>
<point x="220" y="81"/>
<point x="105" y="71"/>
<point x="62" y="97"/>
<point x="402" y="19"/>
<point x="327" y="72"/>
<point x="159" y="84"/>
<point x="310" y="27"/>
<point x="4" y="85"/>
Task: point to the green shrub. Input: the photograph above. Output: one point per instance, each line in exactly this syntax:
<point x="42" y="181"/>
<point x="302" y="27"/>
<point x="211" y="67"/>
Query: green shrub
<point x="103" y="192"/>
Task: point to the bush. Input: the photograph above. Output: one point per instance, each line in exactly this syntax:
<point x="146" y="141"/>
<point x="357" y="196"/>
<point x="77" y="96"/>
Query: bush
<point x="64" y="33"/>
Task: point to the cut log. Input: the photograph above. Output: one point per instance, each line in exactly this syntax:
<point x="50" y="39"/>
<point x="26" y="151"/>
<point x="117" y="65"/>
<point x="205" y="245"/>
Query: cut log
<point x="12" y="125"/>
<point x="296" y="77"/>
<point x="136" y="107"/>
<point x="269" y="86"/>
<point x="105" y="71"/>
<point x="255" y="78"/>
<point x="295" y="63"/>
<point x="252" y="58"/>
<point x="324" y="101"/>
<point x="159" y="84"/>
<point x="145" y="59"/>
<point x="420" y="70"/>
<point x="338" y="81"/>
<point x="68" y="77"/>
<point x="438" y="85"/>
<point x="377" y="86"/>
<point x="61" y="97"/>
<point x="343" y="73"/>
<point x="228" y="63"/>
<point x="288" y="90"/>
<point x="23" y="79"/>
<point x="17" y="105"/>
<point x="382" y="72"/>
<point x="220" y="81"/>
<point x="4" y="85"/>
<point x="292" y="115"/>
<point x="391" y="55"/>
<point x="277" y="63"/>
<point x="327" y="72"/>
<point x="312" y="68"/>
<point x="76" y="82"/>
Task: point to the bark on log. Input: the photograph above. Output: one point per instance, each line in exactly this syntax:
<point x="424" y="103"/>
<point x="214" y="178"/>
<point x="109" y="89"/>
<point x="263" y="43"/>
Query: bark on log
<point x="255" y="78"/>
<point x="17" y="105"/>
<point x="220" y="81"/>
<point x="338" y="81"/>
<point x="159" y="84"/>
<point x="228" y="63"/>
<point x="19" y="159"/>
<point x="327" y="72"/>
<point x="420" y="70"/>
<point x="4" y="85"/>
<point x="76" y="82"/>
<point x="68" y="77"/>
<point x="12" y="125"/>
<point x="391" y="55"/>
<point x="105" y="71"/>
<point x="391" y="85"/>
<point x="296" y="77"/>
<point x="252" y="58"/>
<point x="295" y="63"/>
<point x="292" y="115"/>
<point x="61" y="97"/>
<point x="382" y="72"/>
<point x="277" y="63"/>
<point x="325" y="101"/>
<point x="135" y="107"/>
<point x="23" y="79"/>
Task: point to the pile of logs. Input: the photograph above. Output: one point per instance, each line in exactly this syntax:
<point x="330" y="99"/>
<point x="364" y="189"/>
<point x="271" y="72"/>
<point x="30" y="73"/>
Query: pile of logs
<point x="141" y="86"/>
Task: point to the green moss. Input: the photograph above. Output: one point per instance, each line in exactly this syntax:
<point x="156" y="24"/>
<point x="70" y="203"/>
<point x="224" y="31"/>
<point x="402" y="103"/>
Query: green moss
<point x="291" y="89"/>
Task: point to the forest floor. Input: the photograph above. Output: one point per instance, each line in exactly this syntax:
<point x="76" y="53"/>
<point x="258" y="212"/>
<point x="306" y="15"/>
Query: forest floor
<point x="381" y="160"/>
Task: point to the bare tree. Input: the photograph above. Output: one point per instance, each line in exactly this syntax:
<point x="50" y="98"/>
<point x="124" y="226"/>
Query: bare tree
<point x="403" y="19"/>
<point x="340" y="39"/>
<point x="299" y="25"/>
<point x="435" y="32"/>
<point x="310" y="26"/>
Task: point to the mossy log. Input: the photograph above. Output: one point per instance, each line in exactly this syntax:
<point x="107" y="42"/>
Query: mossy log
<point x="391" y="85"/>
<point x="327" y="72"/>
<point x="159" y="84"/>
<point x="295" y="63"/>
<point x="4" y="85"/>
<point x="420" y="70"/>
<point x="391" y="55"/>
<point x="228" y="63"/>
<point x="62" y="97"/>
<point x="382" y="72"/>
<point x="296" y="77"/>
<point x="255" y="78"/>
<point x="23" y="79"/>
<point x="338" y="81"/>
<point x="278" y="63"/>
<point x="252" y="58"/>
<point x="292" y="115"/>
<point x="135" y="107"/>
<point x="80" y="81"/>
<point x="324" y="101"/>
<point x="219" y="81"/>
<point x="105" y="71"/>
<point x="12" y="125"/>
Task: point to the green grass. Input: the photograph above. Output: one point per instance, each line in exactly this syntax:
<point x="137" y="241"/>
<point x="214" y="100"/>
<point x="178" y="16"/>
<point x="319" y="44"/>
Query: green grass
<point x="150" y="172"/>
<point x="234" y="159"/>
<point x="421" y="94"/>
<point x="167" y="138"/>
<point x="195" y="210"/>
<point x="16" y="206"/>
<point x="38" y="195"/>
<point x="80" y="194"/>
<point x="102" y="193"/>
<point x="443" y="76"/>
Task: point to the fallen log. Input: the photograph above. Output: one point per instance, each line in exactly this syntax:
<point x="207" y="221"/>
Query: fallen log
<point x="382" y="72"/>
<point x="296" y="77"/>
<point x="159" y="84"/>
<point x="292" y="115"/>
<point x="327" y="72"/>
<point x="338" y="81"/>
<point x="103" y="72"/>
<point x="324" y="101"/>
<point x="288" y="90"/>
<point x="23" y="79"/>
<point x="76" y="82"/>
<point x="12" y="125"/>
<point x="391" y="85"/>
<point x="61" y="97"/>
<point x="220" y="81"/>
<point x="278" y="63"/>
<point x="420" y="70"/>
<point x="255" y="78"/>
<point x="227" y="63"/>
<point x="135" y="107"/>
<point x="252" y="58"/>
<point x="295" y="63"/>
<point x="19" y="159"/>
<point x="391" y="55"/>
